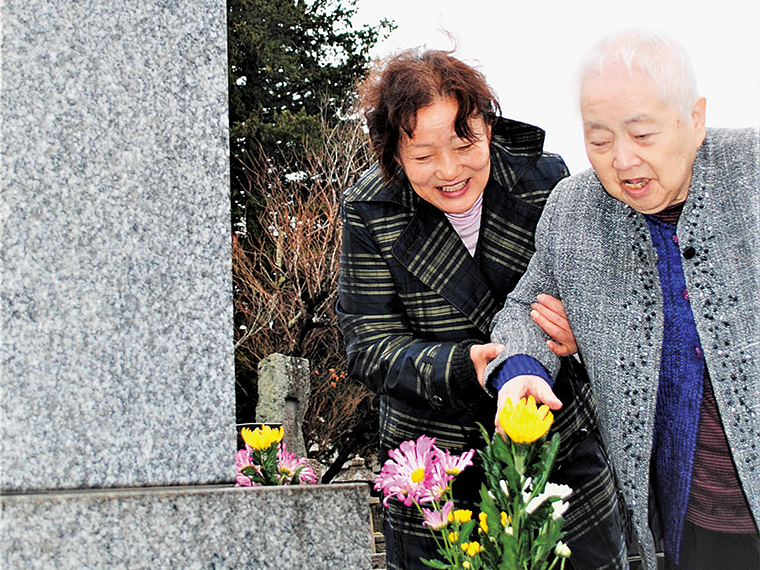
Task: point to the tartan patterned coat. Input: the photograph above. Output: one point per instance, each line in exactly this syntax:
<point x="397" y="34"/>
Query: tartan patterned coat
<point x="410" y="294"/>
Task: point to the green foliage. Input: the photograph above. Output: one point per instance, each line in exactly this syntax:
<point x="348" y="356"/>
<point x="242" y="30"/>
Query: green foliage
<point x="453" y="556"/>
<point x="517" y="473"/>
<point x="292" y="64"/>
<point x="267" y="460"/>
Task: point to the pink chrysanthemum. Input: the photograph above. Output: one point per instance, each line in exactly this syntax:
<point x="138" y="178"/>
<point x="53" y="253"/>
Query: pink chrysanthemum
<point x="454" y="464"/>
<point x="438" y="519"/>
<point x="243" y="458"/>
<point x="243" y="481"/>
<point x="441" y="480"/>
<point x="411" y="472"/>
<point x="288" y="464"/>
<point x="435" y="492"/>
<point x="307" y="476"/>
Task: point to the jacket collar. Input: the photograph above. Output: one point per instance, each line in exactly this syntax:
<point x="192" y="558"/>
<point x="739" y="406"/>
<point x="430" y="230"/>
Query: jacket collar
<point x="430" y="248"/>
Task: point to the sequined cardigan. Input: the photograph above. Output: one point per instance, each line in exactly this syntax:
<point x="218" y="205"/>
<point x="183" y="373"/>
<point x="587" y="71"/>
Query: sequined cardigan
<point x="596" y="254"/>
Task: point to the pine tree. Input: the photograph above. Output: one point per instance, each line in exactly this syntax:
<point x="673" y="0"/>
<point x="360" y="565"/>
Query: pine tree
<point x="293" y="66"/>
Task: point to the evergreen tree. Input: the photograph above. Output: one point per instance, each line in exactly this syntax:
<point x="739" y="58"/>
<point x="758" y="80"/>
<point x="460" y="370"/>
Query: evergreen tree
<point x="292" y="65"/>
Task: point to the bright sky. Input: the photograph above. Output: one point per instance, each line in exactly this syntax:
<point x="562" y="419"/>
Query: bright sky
<point x="529" y="50"/>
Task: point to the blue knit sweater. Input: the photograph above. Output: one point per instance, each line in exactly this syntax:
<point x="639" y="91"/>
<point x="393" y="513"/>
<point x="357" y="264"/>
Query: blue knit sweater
<point x="679" y="393"/>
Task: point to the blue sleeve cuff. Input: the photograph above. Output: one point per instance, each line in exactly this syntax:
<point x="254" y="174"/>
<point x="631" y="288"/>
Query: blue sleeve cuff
<point x="518" y="365"/>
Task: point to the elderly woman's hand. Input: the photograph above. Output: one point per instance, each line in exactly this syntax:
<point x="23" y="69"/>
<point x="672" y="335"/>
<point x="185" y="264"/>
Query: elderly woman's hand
<point x="549" y="314"/>
<point x="523" y="386"/>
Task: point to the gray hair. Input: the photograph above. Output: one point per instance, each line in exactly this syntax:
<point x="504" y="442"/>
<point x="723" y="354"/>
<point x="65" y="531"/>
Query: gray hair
<point x="652" y="53"/>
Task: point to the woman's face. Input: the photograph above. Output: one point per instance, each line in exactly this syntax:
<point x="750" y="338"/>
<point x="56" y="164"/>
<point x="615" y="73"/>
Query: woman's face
<point x="641" y="147"/>
<point x="445" y="170"/>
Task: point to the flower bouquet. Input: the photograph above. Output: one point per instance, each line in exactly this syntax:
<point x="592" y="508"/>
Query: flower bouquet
<point x="420" y="473"/>
<point x="519" y="525"/>
<point x="265" y="460"/>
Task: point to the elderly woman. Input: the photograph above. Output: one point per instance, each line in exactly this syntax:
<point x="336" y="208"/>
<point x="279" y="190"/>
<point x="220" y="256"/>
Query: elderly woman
<point x="435" y="235"/>
<point x="660" y="274"/>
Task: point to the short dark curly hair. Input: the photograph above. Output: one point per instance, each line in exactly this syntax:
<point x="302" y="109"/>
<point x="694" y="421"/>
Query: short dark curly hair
<point x="399" y="86"/>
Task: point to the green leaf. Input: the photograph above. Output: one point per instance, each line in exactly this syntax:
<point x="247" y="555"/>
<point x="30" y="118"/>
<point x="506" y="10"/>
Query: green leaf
<point x="434" y="563"/>
<point x="537" y="518"/>
<point x="545" y="463"/>
<point x="489" y="507"/>
<point x="466" y="530"/>
<point x="484" y="433"/>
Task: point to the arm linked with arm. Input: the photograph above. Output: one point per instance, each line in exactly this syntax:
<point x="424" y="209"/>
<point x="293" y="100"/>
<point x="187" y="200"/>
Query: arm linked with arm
<point x="512" y="326"/>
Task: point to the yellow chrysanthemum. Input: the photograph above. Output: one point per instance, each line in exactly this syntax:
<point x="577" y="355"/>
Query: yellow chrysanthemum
<point x="472" y="548"/>
<point x="483" y="522"/>
<point x="453" y="537"/>
<point x="263" y="437"/>
<point x="524" y="423"/>
<point x="460" y="515"/>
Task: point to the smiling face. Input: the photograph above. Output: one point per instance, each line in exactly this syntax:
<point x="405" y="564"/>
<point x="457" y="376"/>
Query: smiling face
<point x="445" y="170"/>
<point x="641" y="148"/>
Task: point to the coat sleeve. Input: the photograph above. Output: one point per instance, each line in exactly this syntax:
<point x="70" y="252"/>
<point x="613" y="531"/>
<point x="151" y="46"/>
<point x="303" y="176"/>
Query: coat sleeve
<point x="512" y="325"/>
<point x="382" y="350"/>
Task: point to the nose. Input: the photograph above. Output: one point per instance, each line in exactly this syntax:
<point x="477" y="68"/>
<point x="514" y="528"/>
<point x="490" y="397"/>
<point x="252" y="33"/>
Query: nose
<point x="449" y="167"/>
<point x="625" y="155"/>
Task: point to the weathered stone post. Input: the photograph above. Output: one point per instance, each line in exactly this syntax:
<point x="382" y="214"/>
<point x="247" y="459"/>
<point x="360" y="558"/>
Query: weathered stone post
<point x="284" y="389"/>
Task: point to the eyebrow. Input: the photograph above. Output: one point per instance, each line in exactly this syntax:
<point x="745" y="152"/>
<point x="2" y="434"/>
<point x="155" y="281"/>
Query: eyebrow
<point x="423" y="144"/>
<point x="639" y="119"/>
<point x="635" y="120"/>
<point x="410" y="144"/>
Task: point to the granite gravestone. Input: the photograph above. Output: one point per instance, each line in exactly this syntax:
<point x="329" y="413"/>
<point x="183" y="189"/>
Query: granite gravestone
<point x="117" y="421"/>
<point x="115" y="252"/>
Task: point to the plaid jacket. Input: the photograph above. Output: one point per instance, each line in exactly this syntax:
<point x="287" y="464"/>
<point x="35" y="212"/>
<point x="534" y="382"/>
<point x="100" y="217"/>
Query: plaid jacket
<point x="410" y="292"/>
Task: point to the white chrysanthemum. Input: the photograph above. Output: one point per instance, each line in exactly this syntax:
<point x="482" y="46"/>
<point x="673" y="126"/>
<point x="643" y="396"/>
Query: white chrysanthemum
<point x="562" y="550"/>
<point x="552" y="490"/>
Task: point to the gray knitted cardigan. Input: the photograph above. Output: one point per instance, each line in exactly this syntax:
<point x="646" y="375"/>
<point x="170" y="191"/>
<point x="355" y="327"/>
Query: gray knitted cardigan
<point x="595" y="253"/>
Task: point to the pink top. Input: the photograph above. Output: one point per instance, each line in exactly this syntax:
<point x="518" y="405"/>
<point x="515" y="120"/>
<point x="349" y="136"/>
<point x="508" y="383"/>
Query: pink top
<point x="467" y="224"/>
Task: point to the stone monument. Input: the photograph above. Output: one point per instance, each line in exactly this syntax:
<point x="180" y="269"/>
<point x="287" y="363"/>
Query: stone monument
<point x="284" y="387"/>
<point x="115" y="257"/>
<point x="117" y="428"/>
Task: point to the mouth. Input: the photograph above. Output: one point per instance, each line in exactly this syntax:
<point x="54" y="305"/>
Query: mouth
<point x="455" y="188"/>
<point x="635" y="183"/>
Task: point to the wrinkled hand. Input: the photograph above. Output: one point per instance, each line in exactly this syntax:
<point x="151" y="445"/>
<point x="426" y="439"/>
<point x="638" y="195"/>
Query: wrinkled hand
<point x="549" y="314"/>
<point x="522" y="387"/>
<point x="481" y="355"/>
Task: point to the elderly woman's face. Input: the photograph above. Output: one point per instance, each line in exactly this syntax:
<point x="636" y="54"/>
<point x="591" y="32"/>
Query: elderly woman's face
<point x="641" y="148"/>
<point x="445" y="170"/>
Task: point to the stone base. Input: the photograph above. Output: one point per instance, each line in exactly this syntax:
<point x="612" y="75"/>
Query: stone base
<point x="209" y="528"/>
